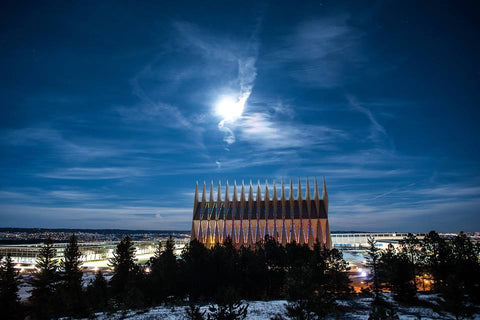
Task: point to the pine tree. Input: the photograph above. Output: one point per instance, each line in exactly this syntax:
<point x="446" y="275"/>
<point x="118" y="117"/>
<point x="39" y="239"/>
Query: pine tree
<point x="125" y="269"/>
<point x="163" y="272"/>
<point x="43" y="283"/>
<point x="194" y="266"/>
<point x="9" y="282"/>
<point x="336" y="271"/>
<point x="395" y="270"/>
<point x="373" y="257"/>
<point x="411" y="248"/>
<point x="71" y="285"/>
<point x="97" y="292"/>
<point x="437" y="257"/>
<point x="380" y="309"/>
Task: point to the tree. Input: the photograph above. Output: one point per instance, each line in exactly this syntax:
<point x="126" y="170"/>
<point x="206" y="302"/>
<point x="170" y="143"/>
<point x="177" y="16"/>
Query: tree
<point x="44" y="282"/>
<point x="337" y="268"/>
<point x="97" y="292"/>
<point x="125" y="271"/>
<point x="71" y="291"/>
<point x="275" y="258"/>
<point x="411" y="249"/>
<point x="164" y="270"/>
<point x="466" y="265"/>
<point x="437" y="259"/>
<point x="380" y="309"/>
<point x="9" y="282"/>
<point x="313" y="286"/>
<point x="373" y="257"/>
<point x="395" y="271"/>
<point x="459" y="290"/>
<point x="195" y="269"/>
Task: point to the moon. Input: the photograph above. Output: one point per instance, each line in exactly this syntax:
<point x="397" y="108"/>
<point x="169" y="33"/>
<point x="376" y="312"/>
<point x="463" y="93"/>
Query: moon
<point x="229" y="108"/>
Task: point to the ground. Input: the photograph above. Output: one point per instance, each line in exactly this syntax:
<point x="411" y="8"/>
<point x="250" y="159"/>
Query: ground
<point x="359" y="307"/>
<point x="267" y="309"/>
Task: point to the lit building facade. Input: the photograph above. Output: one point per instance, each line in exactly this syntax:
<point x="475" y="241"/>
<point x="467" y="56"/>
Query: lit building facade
<point x="247" y="219"/>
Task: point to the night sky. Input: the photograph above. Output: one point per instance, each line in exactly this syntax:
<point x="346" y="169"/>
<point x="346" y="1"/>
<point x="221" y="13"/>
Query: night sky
<point x="112" y="110"/>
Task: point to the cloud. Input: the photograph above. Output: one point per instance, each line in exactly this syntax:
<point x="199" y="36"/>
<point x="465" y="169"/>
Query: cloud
<point x="247" y="72"/>
<point x="319" y="53"/>
<point x="229" y="136"/>
<point x="83" y="149"/>
<point x="89" y="173"/>
<point x="153" y="110"/>
<point x="155" y="113"/>
<point x="377" y="131"/>
<point x="211" y="47"/>
<point x="406" y="217"/>
<point x="263" y="131"/>
<point x="121" y="217"/>
<point x="55" y="196"/>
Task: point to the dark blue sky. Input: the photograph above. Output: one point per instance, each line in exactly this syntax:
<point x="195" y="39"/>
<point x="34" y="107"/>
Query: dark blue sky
<point x="109" y="109"/>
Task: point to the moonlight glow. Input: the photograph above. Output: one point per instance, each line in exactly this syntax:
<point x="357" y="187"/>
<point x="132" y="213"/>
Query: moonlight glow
<point x="229" y="109"/>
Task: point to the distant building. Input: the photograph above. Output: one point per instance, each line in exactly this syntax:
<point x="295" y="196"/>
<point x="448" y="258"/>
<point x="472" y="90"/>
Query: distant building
<point x="247" y="220"/>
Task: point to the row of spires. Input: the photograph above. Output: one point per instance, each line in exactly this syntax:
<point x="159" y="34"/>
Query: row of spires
<point x="259" y="193"/>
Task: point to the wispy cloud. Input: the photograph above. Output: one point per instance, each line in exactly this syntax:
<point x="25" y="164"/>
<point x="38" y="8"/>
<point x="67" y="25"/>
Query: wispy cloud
<point x="152" y="110"/>
<point x="319" y="53"/>
<point x="262" y="131"/>
<point x="122" y="217"/>
<point x="83" y="149"/>
<point x="377" y="131"/>
<point x="88" y="173"/>
<point x="400" y="216"/>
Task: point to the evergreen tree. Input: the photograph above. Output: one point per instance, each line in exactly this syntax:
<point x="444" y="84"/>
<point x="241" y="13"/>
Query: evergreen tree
<point x="97" y="292"/>
<point x="411" y="249"/>
<point x="275" y="258"/>
<point x="455" y="269"/>
<point x="195" y="270"/>
<point x="44" y="282"/>
<point x="395" y="272"/>
<point x="337" y="272"/>
<point x="125" y="271"/>
<point x="164" y="271"/>
<point x="467" y="266"/>
<point x="70" y="289"/>
<point x="9" y="282"/>
<point x="437" y="258"/>
<point x="313" y="286"/>
<point x="252" y="273"/>
<point x="373" y="257"/>
<point x="459" y="290"/>
<point x="380" y="309"/>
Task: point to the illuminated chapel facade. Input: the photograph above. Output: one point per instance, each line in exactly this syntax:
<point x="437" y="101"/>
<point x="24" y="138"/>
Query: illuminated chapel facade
<point x="248" y="219"/>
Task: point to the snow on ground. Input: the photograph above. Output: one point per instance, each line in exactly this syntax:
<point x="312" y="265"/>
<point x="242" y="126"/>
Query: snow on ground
<point x="261" y="309"/>
<point x="257" y="310"/>
<point x="25" y="287"/>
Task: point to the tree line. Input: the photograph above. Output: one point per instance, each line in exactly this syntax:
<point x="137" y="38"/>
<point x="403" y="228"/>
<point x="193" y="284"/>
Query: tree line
<point x="312" y="280"/>
<point x="449" y="268"/>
